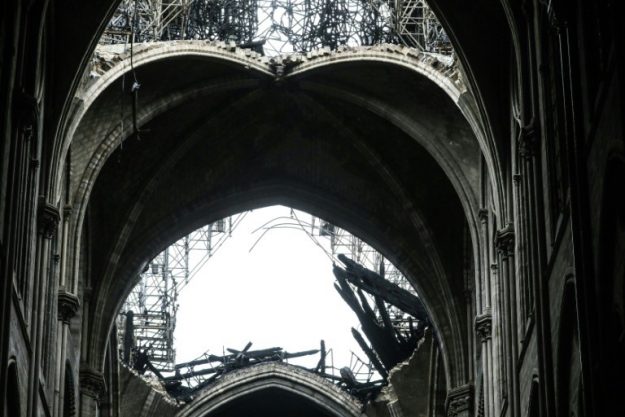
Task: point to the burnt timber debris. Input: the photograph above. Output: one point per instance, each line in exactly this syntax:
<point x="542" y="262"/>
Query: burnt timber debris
<point x="392" y="338"/>
<point x="193" y="376"/>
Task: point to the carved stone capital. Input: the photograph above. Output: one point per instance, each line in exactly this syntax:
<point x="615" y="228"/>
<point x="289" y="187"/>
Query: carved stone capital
<point x="68" y="306"/>
<point x="48" y="220"/>
<point x="460" y="401"/>
<point x="27" y="113"/>
<point x="92" y="383"/>
<point x="484" y="325"/>
<point x="557" y="13"/>
<point x="67" y="211"/>
<point x="504" y="240"/>
<point x="528" y="142"/>
<point x="483" y="215"/>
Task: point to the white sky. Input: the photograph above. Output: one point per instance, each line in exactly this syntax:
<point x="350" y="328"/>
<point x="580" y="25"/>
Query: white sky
<point x="280" y="294"/>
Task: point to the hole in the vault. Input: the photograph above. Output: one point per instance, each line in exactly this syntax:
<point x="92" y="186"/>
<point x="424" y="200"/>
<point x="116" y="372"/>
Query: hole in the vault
<point x="266" y="276"/>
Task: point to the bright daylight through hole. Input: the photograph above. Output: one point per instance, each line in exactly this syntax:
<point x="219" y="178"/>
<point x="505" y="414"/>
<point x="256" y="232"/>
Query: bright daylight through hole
<point x="266" y="285"/>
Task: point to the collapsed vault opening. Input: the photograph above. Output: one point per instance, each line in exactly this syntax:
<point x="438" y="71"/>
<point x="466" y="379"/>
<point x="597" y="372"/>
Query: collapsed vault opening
<point x="389" y="323"/>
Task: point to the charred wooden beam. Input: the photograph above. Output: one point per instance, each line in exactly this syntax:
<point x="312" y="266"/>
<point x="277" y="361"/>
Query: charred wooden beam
<point x="388" y="345"/>
<point x="321" y="365"/>
<point x="370" y="353"/>
<point x="236" y="360"/>
<point x="374" y="284"/>
<point x="383" y="340"/>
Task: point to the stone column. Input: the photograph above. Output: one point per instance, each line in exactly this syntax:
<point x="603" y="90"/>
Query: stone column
<point x="535" y="258"/>
<point x="483" y="329"/>
<point x="484" y="299"/>
<point x="68" y="305"/>
<point x="505" y="248"/>
<point x="47" y="224"/>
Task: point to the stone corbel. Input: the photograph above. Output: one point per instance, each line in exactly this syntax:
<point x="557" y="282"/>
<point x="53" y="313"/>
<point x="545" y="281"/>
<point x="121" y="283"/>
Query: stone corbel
<point x="484" y="325"/>
<point x="504" y="240"/>
<point x="460" y="401"/>
<point x="68" y="306"/>
<point x="92" y="383"/>
<point x="48" y="220"/>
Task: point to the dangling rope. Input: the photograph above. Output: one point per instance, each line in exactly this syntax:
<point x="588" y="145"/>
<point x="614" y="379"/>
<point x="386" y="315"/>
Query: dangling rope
<point x="134" y="89"/>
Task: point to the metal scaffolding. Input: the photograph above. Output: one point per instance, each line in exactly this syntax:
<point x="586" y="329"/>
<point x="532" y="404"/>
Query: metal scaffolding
<point x="147" y="320"/>
<point x="341" y="242"/>
<point x="276" y="27"/>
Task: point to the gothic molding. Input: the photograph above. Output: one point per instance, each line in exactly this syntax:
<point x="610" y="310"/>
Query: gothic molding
<point x="460" y="401"/>
<point x="48" y="220"/>
<point x="92" y="383"/>
<point x="504" y="240"/>
<point x="68" y="305"/>
<point x="484" y="325"/>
